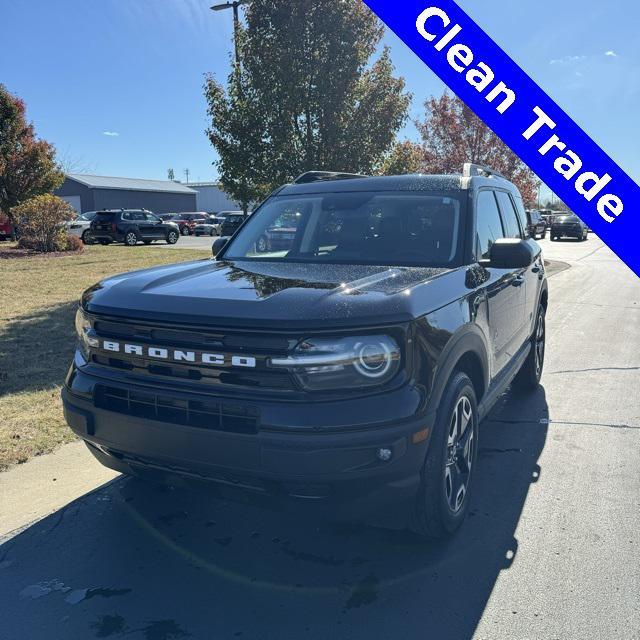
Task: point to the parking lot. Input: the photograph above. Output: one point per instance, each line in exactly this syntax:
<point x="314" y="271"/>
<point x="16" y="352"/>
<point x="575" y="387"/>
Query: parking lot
<point x="556" y="496"/>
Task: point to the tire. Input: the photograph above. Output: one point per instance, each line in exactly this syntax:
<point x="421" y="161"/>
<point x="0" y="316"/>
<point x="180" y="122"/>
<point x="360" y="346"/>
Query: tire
<point x="172" y="237"/>
<point x="131" y="238"/>
<point x="185" y="231"/>
<point x="212" y="233"/>
<point x="543" y="235"/>
<point x="86" y="237"/>
<point x="447" y="475"/>
<point x="528" y="378"/>
<point x="554" y="238"/>
<point x="262" y="246"/>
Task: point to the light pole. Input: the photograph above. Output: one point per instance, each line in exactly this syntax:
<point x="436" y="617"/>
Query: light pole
<point x="236" y="20"/>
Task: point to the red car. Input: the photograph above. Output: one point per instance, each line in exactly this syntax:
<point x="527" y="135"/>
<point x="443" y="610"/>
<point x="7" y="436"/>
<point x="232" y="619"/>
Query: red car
<point x="187" y="221"/>
<point x="6" y="228"/>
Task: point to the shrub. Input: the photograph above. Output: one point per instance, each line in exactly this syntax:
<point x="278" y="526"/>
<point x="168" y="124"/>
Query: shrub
<point x="42" y="221"/>
<point x="74" y="243"/>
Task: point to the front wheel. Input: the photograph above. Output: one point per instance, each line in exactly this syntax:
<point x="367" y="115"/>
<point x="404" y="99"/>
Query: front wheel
<point x="262" y="245"/>
<point x="185" y="231"/>
<point x="131" y="239"/>
<point x="446" y="478"/>
<point x="172" y="237"/>
<point x="531" y="371"/>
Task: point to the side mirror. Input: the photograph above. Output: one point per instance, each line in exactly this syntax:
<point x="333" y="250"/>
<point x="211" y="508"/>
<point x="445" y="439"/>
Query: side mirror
<point x="219" y="244"/>
<point x="510" y="253"/>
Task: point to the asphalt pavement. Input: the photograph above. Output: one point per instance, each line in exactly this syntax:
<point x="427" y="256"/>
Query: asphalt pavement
<point x="550" y="549"/>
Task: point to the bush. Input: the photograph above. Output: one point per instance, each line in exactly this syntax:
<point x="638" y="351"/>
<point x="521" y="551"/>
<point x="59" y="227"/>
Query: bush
<point x="74" y="243"/>
<point x="42" y="223"/>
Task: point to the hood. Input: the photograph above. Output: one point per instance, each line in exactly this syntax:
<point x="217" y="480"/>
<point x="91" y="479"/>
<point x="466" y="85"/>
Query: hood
<point x="276" y="295"/>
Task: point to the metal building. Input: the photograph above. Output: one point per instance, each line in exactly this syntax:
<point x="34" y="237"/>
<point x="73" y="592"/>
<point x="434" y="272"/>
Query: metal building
<point x="93" y="193"/>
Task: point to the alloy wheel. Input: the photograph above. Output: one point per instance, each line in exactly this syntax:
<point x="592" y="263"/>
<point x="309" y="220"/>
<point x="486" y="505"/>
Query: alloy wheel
<point x="131" y="239"/>
<point x="539" y="344"/>
<point x="460" y="452"/>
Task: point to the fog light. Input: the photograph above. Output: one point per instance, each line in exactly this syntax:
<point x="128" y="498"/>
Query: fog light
<point x="383" y="454"/>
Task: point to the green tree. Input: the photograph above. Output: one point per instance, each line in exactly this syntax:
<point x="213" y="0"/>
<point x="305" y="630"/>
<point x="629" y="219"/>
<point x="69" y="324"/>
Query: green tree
<point x="27" y="164"/>
<point x="171" y="174"/>
<point x="452" y="135"/>
<point x="42" y="223"/>
<point x="405" y="157"/>
<point x="305" y="96"/>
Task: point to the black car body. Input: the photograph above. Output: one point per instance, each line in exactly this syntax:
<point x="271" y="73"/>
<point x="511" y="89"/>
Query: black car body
<point x="568" y="226"/>
<point x="131" y="226"/>
<point x="536" y="224"/>
<point x="324" y="375"/>
<point x="231" y="223"/>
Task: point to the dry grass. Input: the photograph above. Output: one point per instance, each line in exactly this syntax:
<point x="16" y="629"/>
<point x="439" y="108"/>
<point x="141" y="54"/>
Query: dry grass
<point x="39" y="297"/>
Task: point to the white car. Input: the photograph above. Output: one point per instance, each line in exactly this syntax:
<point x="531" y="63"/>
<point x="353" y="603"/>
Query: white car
<point x="80" y="226"/>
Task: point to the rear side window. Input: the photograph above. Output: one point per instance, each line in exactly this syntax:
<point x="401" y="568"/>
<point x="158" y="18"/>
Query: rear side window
<point x="488" y="223"/>
<point x="509" y="216"/>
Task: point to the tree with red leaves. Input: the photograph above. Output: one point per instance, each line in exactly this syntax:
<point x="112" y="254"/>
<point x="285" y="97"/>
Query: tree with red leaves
<point x="452" y="135"/>
<point x="27" y="164"/>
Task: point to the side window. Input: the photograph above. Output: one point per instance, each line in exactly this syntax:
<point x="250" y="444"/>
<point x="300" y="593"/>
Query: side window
<point x="152" y="218"/>
<point x="509" y="216"/>
<point x="488" y="224"/>
<point x="138" y="216"/>
<point x="126" y="216"/>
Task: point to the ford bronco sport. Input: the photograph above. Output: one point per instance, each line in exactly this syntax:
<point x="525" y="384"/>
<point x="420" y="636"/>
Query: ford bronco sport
<point x="346" y="368"/>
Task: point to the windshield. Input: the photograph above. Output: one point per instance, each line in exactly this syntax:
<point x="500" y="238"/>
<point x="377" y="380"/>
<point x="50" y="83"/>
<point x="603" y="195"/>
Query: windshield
<point x="355" y="228"/>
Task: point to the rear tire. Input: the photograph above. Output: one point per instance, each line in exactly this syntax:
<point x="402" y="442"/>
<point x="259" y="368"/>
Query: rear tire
<point x="86" y="237"/>
<point x="447" y="475"/>
<point x="131" y="238"/>
<point x="528" y="378"/>
<point x="185" y="231"/>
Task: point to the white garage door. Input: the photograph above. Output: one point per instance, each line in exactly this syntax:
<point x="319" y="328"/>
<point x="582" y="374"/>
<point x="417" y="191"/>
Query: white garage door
<point x="74" y="201"/>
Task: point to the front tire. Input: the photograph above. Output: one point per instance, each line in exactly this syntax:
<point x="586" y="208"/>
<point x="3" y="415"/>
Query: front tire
<point x="447" y="475"/>
<point x="186" y="231"/>
<point x="172" y="237"/>
<point x="131" y="238"/>
<point x="528" y="378"/>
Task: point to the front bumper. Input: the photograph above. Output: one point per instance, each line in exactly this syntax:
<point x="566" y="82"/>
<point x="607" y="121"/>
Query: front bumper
<point x="291" y="461"/>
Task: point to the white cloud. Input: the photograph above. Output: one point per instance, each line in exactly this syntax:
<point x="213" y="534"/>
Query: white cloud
<point x="568" y="60"/>
<point x="611" y="54"/>
<point x="111" y="134"/>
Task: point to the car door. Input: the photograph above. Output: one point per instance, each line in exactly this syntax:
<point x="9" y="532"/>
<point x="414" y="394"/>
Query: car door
<point x="155" y="227"/>
<point x="504" y="288"/>
<point x="145" y="228"/>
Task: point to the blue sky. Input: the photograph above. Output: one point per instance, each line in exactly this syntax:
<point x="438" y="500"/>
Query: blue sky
<point x="116" y="85"/>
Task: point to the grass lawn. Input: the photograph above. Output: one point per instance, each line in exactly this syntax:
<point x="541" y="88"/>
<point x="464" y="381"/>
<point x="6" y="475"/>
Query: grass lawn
<point x="37" y="310"/>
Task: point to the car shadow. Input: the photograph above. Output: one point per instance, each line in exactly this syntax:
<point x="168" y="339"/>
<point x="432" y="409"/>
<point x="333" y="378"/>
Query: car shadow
<point x="133" y="560"/>
<point x="36" y="349"/>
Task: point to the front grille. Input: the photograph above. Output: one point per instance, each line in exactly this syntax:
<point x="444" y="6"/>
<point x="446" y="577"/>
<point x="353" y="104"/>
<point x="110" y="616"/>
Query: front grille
<point x="213" y="414"/>
<point x="257" y="346"/>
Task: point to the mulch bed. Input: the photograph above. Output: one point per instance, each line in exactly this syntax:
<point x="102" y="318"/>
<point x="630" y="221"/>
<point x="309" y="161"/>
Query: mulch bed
<point x="15" y="252"/>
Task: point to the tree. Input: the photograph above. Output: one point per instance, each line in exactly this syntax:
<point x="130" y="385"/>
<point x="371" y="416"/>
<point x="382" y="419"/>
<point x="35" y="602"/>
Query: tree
<point x="27" y="164"/>
<point x="41" y="223"/>
<point x="170" y="174"/>
<point x="305" y="96"/>
<point x="405" y="157"/>
<point x="452" y="135"/>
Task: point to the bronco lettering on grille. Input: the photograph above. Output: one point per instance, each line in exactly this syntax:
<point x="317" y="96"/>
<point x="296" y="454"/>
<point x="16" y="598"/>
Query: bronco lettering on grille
<point x="176" y="355"/>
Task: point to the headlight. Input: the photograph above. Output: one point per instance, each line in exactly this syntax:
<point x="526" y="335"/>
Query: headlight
<point x="336" y="363"/>
<point x="84" y="331"/>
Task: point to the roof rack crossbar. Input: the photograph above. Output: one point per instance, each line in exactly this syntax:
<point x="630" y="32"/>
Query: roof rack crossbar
<point x="471" y="169"/>
<point x="317" y="176"/>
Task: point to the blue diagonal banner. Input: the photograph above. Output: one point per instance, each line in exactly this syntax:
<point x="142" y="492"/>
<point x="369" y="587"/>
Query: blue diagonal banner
<point x="523" y="116"/>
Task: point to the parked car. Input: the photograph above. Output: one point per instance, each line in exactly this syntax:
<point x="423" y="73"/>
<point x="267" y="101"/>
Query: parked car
<point x="132" y="226"/>
<point x="536" y="224"/>
<point x="280" y="236"/>
<point x="348" y="374"/>
<point x="568" y="225"/>
<point x="6" y="228"/>
<point x="232" y="222"/>
<point x="166" y="217"/>
<point x="187" y="221"/>
<point x="81" y="226"/>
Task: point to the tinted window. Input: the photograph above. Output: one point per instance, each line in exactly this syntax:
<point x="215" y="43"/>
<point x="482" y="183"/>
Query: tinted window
<point x="356" y="228"/>
<point x="488" y="224"/>
<point x="153" y="218"/>
<point x="509" y="216"/>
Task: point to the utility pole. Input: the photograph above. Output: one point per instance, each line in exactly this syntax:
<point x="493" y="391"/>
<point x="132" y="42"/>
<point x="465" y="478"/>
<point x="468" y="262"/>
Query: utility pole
<point x="236" y="21"/>
<point x="186" y="173"/>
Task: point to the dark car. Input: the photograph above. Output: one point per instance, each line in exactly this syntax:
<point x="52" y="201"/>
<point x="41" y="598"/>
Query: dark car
<point x="6" y="228"/>
<point x="536" y="224"/>
<point x="568" y="226"/>
<point x="279" y="237"/>
<point x="232" y="222"/>
<point x="188" y="221"/>
<point x="131" y="226"/>
<point x="345" y="376"/>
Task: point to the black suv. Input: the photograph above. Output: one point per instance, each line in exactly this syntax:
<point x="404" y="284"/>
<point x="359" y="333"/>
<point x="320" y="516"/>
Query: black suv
<point x="231" y="223"/>
<point x="130" y="226"/>
<point x="346" y="372"/>
<point x="568" y="225"/>
<point x="536" y="224"/>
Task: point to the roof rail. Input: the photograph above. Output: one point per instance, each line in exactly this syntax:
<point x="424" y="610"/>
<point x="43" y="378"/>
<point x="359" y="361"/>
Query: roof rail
<point x="317" y="176"/>
<point x="470" y="169"/>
